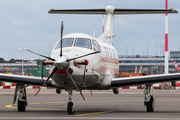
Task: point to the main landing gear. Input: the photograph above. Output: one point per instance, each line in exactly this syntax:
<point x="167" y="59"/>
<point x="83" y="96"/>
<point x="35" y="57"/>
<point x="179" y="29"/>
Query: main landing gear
<point x="149" y="100"/>
<point x="22" y="99"/>
<point x="70" y="103"/>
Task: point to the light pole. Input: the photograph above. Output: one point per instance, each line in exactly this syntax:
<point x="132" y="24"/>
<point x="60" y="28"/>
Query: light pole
<point x="22" y="61"/>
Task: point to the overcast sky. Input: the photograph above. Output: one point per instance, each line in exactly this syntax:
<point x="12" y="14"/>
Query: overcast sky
<point x="26" y="23"/>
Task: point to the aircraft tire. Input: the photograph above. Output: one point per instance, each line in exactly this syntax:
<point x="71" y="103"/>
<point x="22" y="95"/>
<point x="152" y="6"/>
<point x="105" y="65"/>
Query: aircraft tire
<point x="116" y="90"/>
<point x="150" y="106"/>
<point x="21" y="106"/>
<point x="70" y="108"/>
<point x="58" y="91"/>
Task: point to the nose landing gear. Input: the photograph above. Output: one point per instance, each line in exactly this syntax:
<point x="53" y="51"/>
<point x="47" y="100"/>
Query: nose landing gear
<point x="70" y="103"/>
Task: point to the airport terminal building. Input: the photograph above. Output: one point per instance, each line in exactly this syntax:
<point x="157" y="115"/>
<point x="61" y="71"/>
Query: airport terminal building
<point x="147" y="64"/>
<point x="129" y="64"/>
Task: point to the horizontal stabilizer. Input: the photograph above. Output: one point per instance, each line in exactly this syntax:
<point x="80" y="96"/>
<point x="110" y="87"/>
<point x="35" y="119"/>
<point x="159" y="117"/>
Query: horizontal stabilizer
<point x="116" y="11"/>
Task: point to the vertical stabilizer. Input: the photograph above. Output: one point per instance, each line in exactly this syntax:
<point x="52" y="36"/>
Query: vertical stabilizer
<point x="109" y="26"/>
<point x="176" y="65"/>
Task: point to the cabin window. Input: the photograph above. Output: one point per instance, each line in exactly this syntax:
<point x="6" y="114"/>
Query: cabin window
<point x="66" y="42"/>
<point x="83" y="42"/>
<point x="96" y="46"/>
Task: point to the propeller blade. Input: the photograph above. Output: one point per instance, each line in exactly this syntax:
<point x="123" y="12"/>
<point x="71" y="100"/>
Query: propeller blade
<point x="46" y="80"/>
<point x="83" y="56"/>
<point x="74" y="82"/>
<point x="38" y="54"/>
<point x="62" y="24"/>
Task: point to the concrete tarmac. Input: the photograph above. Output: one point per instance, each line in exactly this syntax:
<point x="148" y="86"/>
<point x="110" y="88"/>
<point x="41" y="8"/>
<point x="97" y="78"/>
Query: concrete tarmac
<point x="128" y="105"/>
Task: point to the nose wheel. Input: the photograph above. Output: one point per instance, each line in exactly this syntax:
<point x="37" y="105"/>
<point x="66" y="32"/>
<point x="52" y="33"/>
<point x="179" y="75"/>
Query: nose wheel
<point x="70" y="104"/>
<point x="70" y="109"/>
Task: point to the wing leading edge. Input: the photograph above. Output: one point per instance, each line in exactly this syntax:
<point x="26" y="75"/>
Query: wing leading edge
<point x="130" y="81"/>
<point x="27" y="80"/>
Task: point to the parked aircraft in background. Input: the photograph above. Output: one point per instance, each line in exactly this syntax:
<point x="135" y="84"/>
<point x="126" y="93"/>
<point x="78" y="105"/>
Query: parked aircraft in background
<point x="83" y="62"/>
<point x="176" y="66"/>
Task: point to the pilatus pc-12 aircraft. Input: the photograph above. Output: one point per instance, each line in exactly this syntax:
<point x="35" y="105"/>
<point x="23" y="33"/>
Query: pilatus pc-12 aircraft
<point x="80" y="61"/>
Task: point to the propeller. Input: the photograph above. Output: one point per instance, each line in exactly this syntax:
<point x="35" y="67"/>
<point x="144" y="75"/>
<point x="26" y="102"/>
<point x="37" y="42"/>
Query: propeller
<point x="73" y="82"/>
<point x="60" y="63"/>
<point x="47" y="80"/>
<point x="62" y="24"/>
<point x="39" y="54"/>
<point x="83" y="56"/>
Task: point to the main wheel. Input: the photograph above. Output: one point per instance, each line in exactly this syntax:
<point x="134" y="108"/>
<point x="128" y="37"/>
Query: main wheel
<point x="116" y="90"/>
<point x="21" y="106"/>
<point x="150" y="106"/>
<point x="70" y="108"/>
<point x="58" y="91"/>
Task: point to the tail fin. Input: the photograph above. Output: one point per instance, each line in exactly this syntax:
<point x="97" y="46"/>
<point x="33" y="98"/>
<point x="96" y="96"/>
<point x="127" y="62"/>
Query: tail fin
<point x="176" y="65"/>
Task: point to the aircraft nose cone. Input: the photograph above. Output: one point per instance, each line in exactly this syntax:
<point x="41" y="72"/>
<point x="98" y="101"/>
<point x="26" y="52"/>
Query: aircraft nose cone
<point x="61" y="62"/>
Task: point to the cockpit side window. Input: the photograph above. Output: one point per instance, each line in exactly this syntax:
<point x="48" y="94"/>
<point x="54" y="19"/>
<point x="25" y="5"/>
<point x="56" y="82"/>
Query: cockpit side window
<point x="96" y="46"/>
<point x="66" y="42"/>
<point x="83" y="42"/>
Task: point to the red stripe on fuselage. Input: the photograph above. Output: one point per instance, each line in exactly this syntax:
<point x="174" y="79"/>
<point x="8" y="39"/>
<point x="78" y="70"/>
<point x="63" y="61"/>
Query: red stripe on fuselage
<point x="110" y="60"/>
<point x="104" y="69"/>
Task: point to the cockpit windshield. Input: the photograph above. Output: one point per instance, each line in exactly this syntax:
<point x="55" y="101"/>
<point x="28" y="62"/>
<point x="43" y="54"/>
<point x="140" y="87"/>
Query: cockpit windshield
<point x="96" y="46"/>
<point x="83" y="42"/>
<point x="66" y="42"/>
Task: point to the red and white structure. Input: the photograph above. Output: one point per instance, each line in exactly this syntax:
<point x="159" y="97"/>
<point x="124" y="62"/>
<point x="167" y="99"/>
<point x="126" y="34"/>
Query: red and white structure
<point x="103" y="25"/>
<point x="166" y="39"/>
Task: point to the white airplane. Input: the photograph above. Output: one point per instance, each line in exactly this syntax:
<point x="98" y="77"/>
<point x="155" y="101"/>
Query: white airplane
<point x="80" y="61"/>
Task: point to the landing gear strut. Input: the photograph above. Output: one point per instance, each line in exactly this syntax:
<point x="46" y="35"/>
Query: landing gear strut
<point x="149" y="100"/>
<point x="70" y="103"/>
<point x="22" y="101"/>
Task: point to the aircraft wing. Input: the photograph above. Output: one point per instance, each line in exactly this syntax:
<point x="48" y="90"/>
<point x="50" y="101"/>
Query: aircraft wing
<point x="30" y="80"/>
<point x="131" y="81"/>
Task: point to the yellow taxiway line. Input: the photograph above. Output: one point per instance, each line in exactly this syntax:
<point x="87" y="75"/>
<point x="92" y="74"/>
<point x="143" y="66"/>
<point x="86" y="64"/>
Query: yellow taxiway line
<point x="93" y="113"/>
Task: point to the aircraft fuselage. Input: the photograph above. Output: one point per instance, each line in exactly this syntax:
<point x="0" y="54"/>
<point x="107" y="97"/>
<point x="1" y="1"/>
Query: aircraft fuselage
<point x="101" y="68"/>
